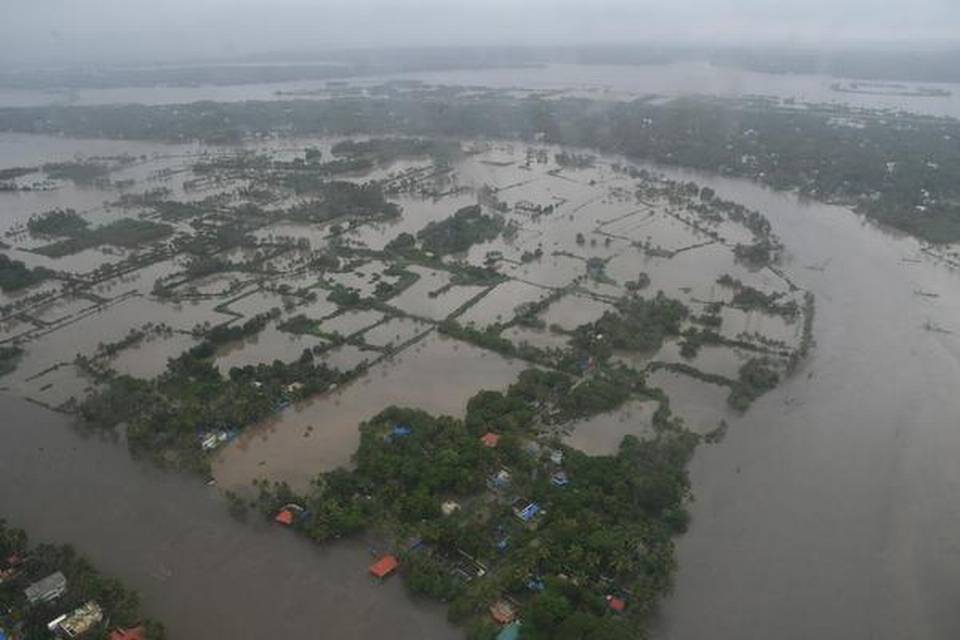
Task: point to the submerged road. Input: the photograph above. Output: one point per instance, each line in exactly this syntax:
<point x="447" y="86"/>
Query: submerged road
<point x="832" y="509"/>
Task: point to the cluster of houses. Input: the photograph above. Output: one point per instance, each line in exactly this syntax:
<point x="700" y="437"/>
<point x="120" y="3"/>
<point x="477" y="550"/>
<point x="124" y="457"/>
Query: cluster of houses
<point x="504" y="611"/>
<point x="74" y="623"/>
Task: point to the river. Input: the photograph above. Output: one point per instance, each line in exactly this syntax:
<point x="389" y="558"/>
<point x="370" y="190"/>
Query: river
<point x="170" y="538"/>
<point x="614" y="82"/>
<point x="830" y="510"/>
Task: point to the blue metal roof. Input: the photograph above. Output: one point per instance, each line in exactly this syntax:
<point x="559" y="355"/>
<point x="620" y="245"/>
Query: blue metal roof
<point x="510" y="632"/>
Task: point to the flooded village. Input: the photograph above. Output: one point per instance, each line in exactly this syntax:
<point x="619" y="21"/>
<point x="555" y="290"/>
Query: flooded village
<point x="239" y="313"/>
<point x="452" y="385"/>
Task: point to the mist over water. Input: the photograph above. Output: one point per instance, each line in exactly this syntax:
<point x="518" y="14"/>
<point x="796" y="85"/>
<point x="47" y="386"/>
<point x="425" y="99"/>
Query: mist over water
<point x="64" y="32"/>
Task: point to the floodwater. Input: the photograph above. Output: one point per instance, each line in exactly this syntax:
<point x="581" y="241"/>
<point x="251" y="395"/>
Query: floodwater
<point x="437" y="375"/>
<point x="702" y="405"/>
<point x="170" y="538"/>
<point x="610" y="82"/>
<point x="830" y="508"/>
<point x="601" y="435"/>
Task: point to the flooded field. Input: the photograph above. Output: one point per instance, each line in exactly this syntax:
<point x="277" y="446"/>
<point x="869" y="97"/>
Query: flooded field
<point x="438" y="375"/>
<point x="601" y="435"/>
<point x="266" y="346"/>
<point x="852" y="442"/>
<point x="702" y="405"/>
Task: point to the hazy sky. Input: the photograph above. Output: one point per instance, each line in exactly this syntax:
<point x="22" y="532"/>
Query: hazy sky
<point x="56" y="31"/>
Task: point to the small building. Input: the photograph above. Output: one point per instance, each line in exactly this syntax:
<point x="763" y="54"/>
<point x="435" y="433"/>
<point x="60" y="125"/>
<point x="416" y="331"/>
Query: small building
<point x="289" y="514"/>
<point x="78" y="622"/>
<point x="384" y="566"/>
<point x="526" y="511"/>
<point x="556" y="456"/>
<point x="46" y="590"/>
<point x="294" y="387"/>
<point x="450" y="507"/>
<point x="559" y="479"/>
<point x="399" y="431"/>
<point x="616" y="604"/>
<point x="133" y="633"/>
<point x="503" y="612"/>
<point x="500" y="480"/>
<point x="490" y="439"/>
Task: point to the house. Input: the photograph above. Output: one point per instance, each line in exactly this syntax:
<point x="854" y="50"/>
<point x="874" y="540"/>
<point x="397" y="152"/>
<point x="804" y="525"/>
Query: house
<point x="399" y="431"/>
<point x="524" y="510"/>
<point x="499" y="481"/>
<point x="46" y="590"/>
<point x="384" y="566"/>
<point x="294" y="387"/>
<point x="510" y="632"/>
<point x="616" y="604"/>
<point x="289" y="514"/>
<point x="78" y="622"/>
<point x="133" y="633"/>
<point x="559" y="479"/>
<point x="490" y="439"/>
<point x="450" y="507"/>
<point x="503" y="612"/>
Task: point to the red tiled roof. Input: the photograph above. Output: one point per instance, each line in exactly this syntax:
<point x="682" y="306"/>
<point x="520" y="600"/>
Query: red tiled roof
<point x="285" y="517"/>
<point x="502" y="612"/>
<point x="617" y="604"/>
<point x="384" y="566"/>
<point x="490" y="439"/>
<point x="134" y="633"/>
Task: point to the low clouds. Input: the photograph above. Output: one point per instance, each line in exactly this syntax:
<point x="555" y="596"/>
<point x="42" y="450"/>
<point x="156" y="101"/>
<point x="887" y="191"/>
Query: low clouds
<point x="66" y="31"/>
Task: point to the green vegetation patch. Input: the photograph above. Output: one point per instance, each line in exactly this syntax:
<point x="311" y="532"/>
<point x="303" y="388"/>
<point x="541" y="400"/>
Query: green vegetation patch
<point x="57" y="222"/>
<point x="757" y="376"/>
<point x="637" y="324"/>
<point x="9" y="357"/>
<point x="87" y="172"/>
<point x="126" y="232"/>
<point x="465" y="228"/>
<point x="15" y="275"/>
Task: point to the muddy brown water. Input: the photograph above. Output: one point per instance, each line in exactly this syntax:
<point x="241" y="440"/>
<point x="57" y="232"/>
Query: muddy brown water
<point x="830" y="509"/>
<point x="170" y="538"/>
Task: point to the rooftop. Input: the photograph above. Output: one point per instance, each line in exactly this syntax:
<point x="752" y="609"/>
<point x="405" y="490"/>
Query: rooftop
<point x="384" y="566"/>
<point x="510" y="632"/>
<point x="46" y="589"/>
<point x="133" y="633"/>
<point x="617" y="604"/>
<point x="502" y="612"/>
<point x="490" y="439"/>
<point x="286" y="517"/>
